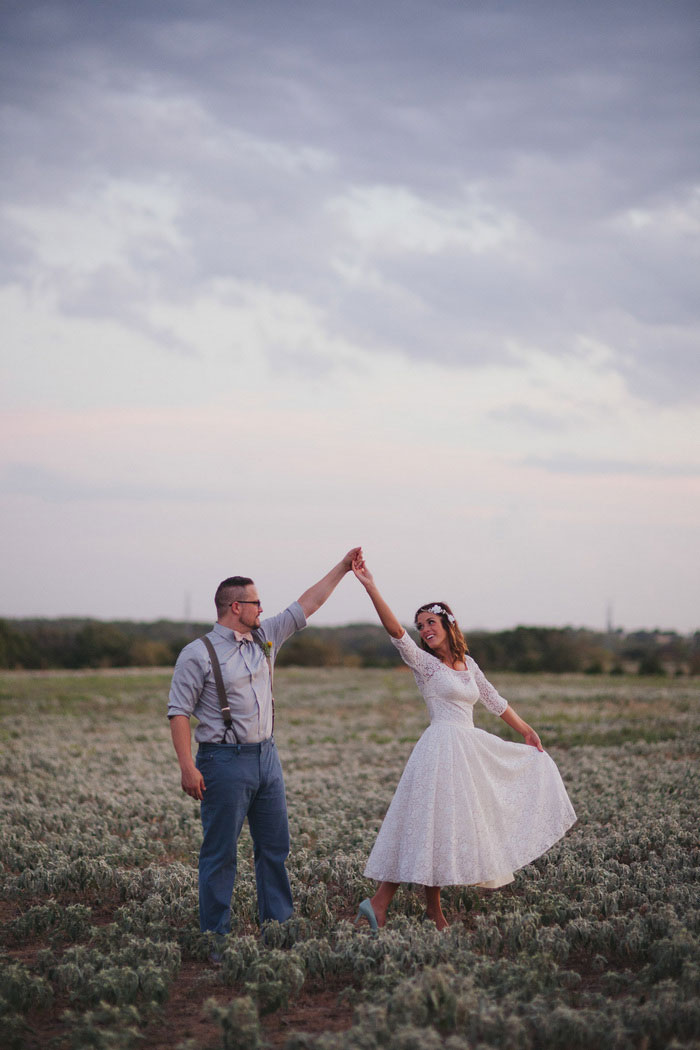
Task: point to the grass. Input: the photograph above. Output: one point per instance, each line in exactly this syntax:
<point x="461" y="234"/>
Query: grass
<point x="597" y="943"/>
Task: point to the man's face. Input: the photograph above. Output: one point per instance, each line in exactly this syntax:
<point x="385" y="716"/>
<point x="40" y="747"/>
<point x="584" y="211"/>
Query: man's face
<point x="248" y="609"/>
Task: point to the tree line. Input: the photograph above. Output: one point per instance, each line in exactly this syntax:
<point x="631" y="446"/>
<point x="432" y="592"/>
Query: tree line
<point x="35" y="644"/>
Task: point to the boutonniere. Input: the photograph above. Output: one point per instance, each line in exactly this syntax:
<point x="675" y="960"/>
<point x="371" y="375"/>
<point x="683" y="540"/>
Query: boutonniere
<point x="267" y="649"/>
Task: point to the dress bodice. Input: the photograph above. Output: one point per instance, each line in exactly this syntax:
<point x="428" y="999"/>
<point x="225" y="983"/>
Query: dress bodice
<point x="449" y="695"/>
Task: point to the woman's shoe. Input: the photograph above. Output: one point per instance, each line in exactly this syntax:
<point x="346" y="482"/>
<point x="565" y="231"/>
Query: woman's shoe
<point x="366" y="911"/>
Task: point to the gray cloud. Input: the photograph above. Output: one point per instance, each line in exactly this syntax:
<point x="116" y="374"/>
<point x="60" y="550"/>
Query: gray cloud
<point x="27" y="479"/>
<point x="51" y="486"/>
<point x="598" y="467"/>
<point x="567" y="116"/>
<point x="533" y="418"/>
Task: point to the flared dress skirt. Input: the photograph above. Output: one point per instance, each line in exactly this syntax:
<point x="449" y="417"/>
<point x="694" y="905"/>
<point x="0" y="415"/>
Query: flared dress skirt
<point x="469" y="809"/>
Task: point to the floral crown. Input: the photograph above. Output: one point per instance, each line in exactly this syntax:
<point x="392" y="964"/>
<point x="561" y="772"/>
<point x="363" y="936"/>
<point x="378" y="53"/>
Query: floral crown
<point x="439" y="609"/>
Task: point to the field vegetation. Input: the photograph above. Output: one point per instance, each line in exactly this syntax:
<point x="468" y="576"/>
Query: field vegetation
<point x="596" y="944"/>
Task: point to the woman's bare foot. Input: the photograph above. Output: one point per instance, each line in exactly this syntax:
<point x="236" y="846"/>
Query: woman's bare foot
<point x="433" y="907"/>
<point x="439" y="919"/>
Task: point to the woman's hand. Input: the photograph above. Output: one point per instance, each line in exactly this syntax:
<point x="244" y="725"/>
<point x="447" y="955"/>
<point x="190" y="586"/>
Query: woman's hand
<point x="389" y="621"/>
<point x="512" y="719"/>
<point x="532" y="739"/>
<point x="361" y="571"/>
<point x="350" y="557"/>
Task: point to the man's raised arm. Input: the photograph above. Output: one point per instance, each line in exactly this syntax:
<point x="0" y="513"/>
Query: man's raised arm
<point x="314" y="598"/>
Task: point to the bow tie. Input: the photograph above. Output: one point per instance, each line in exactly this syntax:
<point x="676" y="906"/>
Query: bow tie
<point x="246" y="637"/>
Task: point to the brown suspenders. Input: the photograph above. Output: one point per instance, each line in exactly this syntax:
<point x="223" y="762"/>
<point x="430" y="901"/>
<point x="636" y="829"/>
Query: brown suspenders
<point x="221" y="689"/>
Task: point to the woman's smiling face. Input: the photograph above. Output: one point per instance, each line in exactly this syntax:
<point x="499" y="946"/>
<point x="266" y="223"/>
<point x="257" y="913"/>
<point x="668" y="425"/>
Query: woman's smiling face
<point x="430" y="629"/>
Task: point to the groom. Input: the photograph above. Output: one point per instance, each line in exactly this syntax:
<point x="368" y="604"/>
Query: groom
<point x="237" y="773"/>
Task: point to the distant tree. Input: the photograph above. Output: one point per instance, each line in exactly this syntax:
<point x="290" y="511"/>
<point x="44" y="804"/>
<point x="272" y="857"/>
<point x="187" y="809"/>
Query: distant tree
<point x="365" y="645"/>
<point x="651" y="663"/>
<point x="694" y="654"/>
<point x="15" y="650"/>
<point x="37" y="643"/>
<point x="310" y="650"/>
<point x="55" y="644"/>
<point x="102" y="645"/>
<point x="143" y="652"/>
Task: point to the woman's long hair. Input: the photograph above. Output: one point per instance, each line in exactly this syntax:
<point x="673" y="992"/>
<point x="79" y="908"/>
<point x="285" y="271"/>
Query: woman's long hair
<point x="458" y="645"/>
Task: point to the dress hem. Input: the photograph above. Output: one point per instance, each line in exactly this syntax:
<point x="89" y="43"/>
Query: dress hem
<point x="472" y="880"/>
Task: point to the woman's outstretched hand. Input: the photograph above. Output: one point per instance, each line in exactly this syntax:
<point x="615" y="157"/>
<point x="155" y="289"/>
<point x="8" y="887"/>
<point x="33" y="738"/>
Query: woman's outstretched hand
<point x="389" y="621"/>
<point x="361" y="571"/>
<point x="350" y="557"/>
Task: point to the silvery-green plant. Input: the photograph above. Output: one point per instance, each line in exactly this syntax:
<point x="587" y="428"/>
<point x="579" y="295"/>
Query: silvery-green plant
<point x="239" y="1023"/>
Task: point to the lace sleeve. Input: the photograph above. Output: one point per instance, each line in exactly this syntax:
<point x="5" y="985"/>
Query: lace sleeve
<point x="488" y="694"/>
<point x="417" y="659"/>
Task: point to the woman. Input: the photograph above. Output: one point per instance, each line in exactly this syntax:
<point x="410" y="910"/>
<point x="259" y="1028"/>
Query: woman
<point x="470" y="808"/>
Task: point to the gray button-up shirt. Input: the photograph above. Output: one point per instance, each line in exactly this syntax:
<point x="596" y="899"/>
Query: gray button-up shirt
<point x="246" y="673"/>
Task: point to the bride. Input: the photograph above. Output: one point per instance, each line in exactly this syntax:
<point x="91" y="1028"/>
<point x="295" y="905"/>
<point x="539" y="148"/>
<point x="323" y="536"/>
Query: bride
<point x="470" y="808"/>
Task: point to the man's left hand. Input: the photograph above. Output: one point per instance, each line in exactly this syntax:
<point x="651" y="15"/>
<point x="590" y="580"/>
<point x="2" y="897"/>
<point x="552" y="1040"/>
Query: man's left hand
<point x="349" y="558"/>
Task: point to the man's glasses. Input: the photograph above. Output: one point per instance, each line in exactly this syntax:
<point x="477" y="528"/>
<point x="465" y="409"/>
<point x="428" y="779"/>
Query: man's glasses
<point x="249" y="601"/>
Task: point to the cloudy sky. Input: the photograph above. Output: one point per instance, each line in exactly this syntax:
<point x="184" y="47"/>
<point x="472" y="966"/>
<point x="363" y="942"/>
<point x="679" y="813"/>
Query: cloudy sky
<point x="282" y="276"/>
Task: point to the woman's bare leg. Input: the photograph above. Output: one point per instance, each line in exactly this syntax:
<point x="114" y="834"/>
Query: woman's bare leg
<point x="434" y="908"/>
<point x="382" y="899"/>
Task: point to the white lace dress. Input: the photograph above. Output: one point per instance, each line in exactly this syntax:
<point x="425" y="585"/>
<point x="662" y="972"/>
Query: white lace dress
<point x="470" y="808"/>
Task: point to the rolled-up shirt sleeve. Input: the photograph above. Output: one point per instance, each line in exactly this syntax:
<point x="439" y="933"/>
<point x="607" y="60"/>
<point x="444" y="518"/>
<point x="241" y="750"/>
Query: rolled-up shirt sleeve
<point x="246" y="673"/>
<point x="281" y="627"/>
<point x="188" y="680"/>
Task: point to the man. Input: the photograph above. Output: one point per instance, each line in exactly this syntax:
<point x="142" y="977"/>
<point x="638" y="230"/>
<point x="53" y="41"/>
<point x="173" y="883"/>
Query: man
<point x="238" y="773"/>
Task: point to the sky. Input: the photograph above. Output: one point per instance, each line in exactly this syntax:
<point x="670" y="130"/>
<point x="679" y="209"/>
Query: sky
<point x="282" y="277"/>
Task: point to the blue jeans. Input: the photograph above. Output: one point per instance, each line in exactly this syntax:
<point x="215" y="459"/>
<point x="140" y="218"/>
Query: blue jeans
<point x="242" y="780"/>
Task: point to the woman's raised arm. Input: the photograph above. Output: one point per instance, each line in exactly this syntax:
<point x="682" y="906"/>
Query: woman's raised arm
<point x="389" y="621"/>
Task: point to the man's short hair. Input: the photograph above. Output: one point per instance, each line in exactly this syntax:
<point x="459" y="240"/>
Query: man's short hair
<point x="230" y="590"/>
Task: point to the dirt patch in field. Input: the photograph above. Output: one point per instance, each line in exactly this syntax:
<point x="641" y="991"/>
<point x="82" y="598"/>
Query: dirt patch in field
<point x="24" y="949"/>
<point x="9" y="910"/>
<point x="593" y="979"/>
<point x="183" y="1015"/>
<point x="103" y="904"/>
<point x="44" y="1027"/>
<point x="314" y="1010"/>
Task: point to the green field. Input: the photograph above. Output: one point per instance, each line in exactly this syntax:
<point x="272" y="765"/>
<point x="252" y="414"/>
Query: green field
<point x="595" y="945"/>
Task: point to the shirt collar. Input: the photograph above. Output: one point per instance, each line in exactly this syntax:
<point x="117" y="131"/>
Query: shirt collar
<point x="229" y="632"/>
